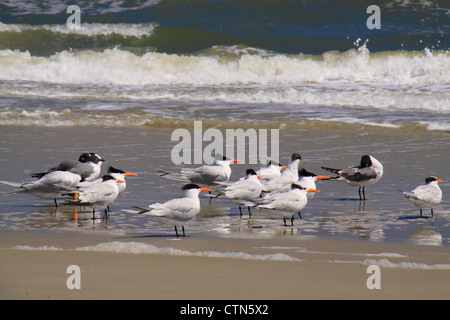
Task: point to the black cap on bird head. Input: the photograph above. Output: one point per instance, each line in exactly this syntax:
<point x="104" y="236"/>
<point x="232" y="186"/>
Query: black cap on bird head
<point x="304" y="173"/>
<point x="111" y="169"/>
<point x="365" y="161"/>
<point x="107" y="177"/>
<point x="296" y="186"/>
<point x="296" y="156"/>
<point x="190" y="186"/>
<point x="93" y="157"/>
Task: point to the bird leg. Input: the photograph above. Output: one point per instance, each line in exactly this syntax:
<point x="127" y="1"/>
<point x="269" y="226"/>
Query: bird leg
<point x="249" y="213"/>
<point x="182" y="227"/>
<point x="240" y="210"/>
<point x="176" y="231"/>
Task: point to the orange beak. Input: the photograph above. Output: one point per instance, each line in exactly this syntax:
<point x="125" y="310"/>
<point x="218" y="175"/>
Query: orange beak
<point x="120" y="181"/>
<point x="76" y="196"/>
<point x="322" y="178"/>
<point x="439" y="180"/>
<point x="129" y="174"/>
<point x="258" y="177"/>
<point x="205" y="189"/>
<point x="283" y="168"/>
<point x="235" y="161"/>
<point x="312" y="190"/>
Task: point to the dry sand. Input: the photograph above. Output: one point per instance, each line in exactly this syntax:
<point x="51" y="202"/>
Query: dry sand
<point x="41" y="274"/>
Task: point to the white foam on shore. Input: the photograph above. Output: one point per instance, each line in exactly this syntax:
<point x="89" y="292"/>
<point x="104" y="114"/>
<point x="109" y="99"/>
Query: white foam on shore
<point x="41" y="248"/>
<point x="143" y="248"/>
<point x="385" y="263"/>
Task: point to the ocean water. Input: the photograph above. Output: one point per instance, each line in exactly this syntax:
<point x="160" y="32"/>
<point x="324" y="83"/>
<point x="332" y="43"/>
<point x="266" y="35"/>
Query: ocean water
<point x="161" y="64"/>
<point x="137" y="63"/>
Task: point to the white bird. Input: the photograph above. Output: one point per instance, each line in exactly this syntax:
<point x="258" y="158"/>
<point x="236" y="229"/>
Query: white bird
<point x="176" y="211"/>
<point x="98" y="196"/>
<point x="270" y="171"/>
<point x="368" y="172"/>
<point x="292" y="201"/>
<point x="88" y="167"/>
<point x="308" y="179"/>
<point x="243" y="192"/>
<point x="114" y="172"/>
<point x="427" y="196"/>
<point x="210" y="175"/>
<point x="50" y="186"/>
<point x="287" y="177"/>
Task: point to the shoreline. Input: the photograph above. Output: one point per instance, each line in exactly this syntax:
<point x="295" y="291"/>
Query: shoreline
<point x="201" y="268"/>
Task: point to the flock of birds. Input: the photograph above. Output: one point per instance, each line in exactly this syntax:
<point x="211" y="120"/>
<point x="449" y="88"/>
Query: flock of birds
<point x="283" y="189"/>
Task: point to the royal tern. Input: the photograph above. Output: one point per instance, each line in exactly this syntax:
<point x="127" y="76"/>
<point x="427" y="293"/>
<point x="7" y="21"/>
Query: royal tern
<point x="368" y="172"/>
<point x="98" y="196"/>
<point x="176" y="211"/>
<point x="270" y="171"/>
<point x="243" y="192"/>
<point x="425" y="196"/>
<point x="88" y="167"/>
<point x="292" y="201"/>
<point x="50" y="186"/>
<point x="287" y="177"/>
<point x="210" y="175"/>
<point x="114" y="172"/>
<point x="308" y="179"/>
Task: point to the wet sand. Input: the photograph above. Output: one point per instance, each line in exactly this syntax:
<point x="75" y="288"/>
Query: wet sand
<point x="336" y="227"/>
<point x="326" y="269"/>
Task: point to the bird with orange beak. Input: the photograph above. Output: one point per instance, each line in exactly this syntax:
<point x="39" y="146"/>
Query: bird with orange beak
<point x="426" y="196"/>
<point x="177" y="211"/>
<point x="292" y="201"/>
<point x="210" y="175"/>
<point x="99" y="195"/>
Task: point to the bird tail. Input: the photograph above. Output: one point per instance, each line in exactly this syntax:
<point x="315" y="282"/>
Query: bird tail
<point x="331" y="170"/>
<point x="408" y="195"/>
<point x="12" y="184"/>
<point x="172" y="175"/>
<point x="142" y="210"/>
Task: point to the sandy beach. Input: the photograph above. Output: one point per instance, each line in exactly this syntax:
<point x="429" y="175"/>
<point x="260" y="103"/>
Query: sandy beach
<point x="323" y="268"/>
<point x="119" y="78"/>
<point x="323" y="256"/>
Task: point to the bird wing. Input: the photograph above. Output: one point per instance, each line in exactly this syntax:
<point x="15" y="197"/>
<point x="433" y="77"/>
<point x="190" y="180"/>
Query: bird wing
<point x="427" y="194"/>
<point x="358" y="175"/>
<point x="181" y="209"/>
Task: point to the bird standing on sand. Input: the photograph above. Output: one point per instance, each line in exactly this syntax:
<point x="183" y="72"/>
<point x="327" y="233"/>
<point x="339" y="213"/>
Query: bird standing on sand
<point x="243" y="192"/>
<point x="292" y="201"/>
<point x="98" y="196"/>
<point x="425" y="196"/>
<point x="176" y="211"/>
<point x="368" y="172"/>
